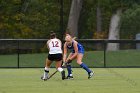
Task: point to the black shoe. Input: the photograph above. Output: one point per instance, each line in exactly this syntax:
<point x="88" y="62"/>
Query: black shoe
<point x="63" y="75"/>
<point x="90" y="75"/>
<point x="69" y="77"/>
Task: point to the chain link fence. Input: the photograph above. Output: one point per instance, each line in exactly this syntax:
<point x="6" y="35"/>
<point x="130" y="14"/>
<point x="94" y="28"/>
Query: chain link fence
<point x="32" y="53"/>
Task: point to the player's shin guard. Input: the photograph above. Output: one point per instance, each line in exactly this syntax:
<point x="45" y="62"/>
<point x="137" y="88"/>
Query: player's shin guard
<point x="84" y="66"/>
<point x="69" y="70"/>
<point x="45" y="75"/>
<point x="63" y="75"/>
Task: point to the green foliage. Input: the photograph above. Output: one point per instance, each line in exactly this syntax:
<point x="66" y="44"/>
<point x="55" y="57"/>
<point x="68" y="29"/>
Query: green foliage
<point x="130" y="23"/>
<point x="88" y="20"/>
<point x="29" y="18"/>
<point x="36" y="18"/>
<point x="130" y="3"/>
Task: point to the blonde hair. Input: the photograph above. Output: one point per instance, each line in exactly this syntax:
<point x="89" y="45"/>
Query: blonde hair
<point x="74" y="38"/>
<point x="69" y="38"/>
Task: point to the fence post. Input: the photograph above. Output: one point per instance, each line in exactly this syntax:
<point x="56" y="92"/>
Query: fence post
<point x="105" y="43"/>
<point x="18" y="54"/>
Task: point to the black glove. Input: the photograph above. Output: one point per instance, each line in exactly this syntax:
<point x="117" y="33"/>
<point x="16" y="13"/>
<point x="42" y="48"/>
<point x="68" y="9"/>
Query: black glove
<point x="69" y="61"/>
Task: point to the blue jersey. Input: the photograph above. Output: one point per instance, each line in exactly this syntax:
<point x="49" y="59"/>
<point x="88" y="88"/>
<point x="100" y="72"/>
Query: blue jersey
<point x="80" y="48"/>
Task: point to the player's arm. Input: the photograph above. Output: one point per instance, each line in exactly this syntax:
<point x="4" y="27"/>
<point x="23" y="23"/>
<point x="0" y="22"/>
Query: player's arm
<point x="65" y="53"/>
<point x="47" y="44"/>
<point x="76" y="51"/>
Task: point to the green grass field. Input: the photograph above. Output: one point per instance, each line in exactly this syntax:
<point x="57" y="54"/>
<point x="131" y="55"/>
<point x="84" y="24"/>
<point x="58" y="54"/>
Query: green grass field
<point x="106" y="80"/>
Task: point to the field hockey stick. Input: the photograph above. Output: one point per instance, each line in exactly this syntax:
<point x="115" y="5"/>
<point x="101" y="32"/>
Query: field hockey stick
<point x="64" y="64"/>
<point x="52" y="74"/>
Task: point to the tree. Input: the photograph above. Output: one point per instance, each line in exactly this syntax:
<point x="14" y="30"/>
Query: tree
<point x="114" y="30"/>
<point x="29" y="18"/>
<point x="73" y="20"/>
<point x="130" y="23"/>
<point x="99" y="19"/>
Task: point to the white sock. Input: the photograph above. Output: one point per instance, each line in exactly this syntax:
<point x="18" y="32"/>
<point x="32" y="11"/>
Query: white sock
<point x="60" y="69"/>
<point x="47" y="69"/>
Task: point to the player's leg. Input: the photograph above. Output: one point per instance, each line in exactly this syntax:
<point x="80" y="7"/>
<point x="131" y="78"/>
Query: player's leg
<point x="60" y="69"/>
<point x="83" y="65"/>
<point x="46" y="69"/>
<point x="69" y="68"/>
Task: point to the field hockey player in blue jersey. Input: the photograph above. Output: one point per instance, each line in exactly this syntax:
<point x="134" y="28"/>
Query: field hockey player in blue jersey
<point x="77" y="52"/>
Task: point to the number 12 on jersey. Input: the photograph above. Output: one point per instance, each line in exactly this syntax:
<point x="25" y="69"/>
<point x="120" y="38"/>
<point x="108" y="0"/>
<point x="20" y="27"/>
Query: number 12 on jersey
<point x="55" y="43"/>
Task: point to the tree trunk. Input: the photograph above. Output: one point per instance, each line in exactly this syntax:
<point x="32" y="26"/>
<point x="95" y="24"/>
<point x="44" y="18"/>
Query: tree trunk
<point x="114" y="31"/>
<point x="25" y="4"/>
<point x="99" y="25"/>
<point x="99" y="19"/>
<point x="76" y="7"/>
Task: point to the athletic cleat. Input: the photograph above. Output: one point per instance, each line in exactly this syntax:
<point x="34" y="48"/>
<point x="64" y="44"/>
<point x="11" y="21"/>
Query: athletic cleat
<point x="63" y="75"/>
<point x="90" y="75"/>
<point x="44" y="78"/>
<point x="45" y="75"/>
<point x="69" y="77"/>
